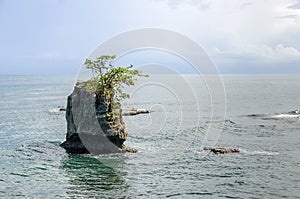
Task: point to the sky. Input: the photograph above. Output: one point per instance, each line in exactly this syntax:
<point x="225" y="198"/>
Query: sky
<point x="240" y="36"/>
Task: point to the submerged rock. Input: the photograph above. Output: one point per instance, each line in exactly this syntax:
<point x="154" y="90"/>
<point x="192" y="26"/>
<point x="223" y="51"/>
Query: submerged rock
<point x="222" y="150"/>
<point x="88" y="128"/>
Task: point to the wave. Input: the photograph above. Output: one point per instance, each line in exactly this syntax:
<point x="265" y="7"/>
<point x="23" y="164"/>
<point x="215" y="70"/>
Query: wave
<point x="246" y="152"/>
<point x="54" y="110"/>
<point x="57" y="110"/>
<point x="259" y="152"/>
<point x="291" y="114"/>
<point x="286" y="115"/>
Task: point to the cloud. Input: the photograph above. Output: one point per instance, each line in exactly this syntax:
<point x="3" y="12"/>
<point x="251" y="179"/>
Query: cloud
<point x="240" y="32"/>
<point x="280" y="53"/>
<point x="246" y="4"/>
<point x="287" y="17"/>
<point x="259" y="59"/>
<point x="295" y="6"/>
<point x="264" y="53"/>
<point x="42" y="56"/>
<point x="201" y="4"/>
<point x="243" y="30"/>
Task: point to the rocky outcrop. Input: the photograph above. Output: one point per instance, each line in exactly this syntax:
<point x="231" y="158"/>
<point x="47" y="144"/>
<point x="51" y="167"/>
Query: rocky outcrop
<point x="134" y="111"/>
<point x="222" y="150"/>
<point x="88" y="128"/>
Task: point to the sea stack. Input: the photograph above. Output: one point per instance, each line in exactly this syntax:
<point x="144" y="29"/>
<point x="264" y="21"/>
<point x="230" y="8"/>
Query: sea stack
<point x="89" y="129"/>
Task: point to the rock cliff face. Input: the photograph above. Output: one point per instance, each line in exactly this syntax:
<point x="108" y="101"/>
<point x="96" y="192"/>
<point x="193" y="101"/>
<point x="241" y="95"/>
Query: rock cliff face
<point x="88" y="128"/>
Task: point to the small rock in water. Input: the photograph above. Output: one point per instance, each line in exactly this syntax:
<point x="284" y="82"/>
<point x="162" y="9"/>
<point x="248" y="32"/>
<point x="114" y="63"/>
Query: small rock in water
<point x="294" y="112"/>
<point x="135" y="112"/>
<point x="222" y="150"/>
<point x="129" y="149"/>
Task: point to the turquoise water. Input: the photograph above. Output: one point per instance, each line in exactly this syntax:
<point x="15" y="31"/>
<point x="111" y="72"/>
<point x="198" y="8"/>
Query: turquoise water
<point x="170" y="162"/>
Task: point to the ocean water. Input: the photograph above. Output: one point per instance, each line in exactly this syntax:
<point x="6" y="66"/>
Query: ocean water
<point x="260" y="120"/>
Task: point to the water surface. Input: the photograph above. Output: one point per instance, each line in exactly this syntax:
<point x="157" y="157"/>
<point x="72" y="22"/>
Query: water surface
<point x="170" y="162"/>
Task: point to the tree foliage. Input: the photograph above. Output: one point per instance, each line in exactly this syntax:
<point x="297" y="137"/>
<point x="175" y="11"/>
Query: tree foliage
<point x="108" y="80"/>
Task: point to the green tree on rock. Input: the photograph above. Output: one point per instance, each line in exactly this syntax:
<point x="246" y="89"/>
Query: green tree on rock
<point x="108" y="81"/>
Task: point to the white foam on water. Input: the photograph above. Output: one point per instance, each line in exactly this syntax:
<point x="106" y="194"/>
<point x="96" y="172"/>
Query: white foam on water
<point x="259" y="152"/>
<point x="55" y="110"/>
<point x="286" y="116"/>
